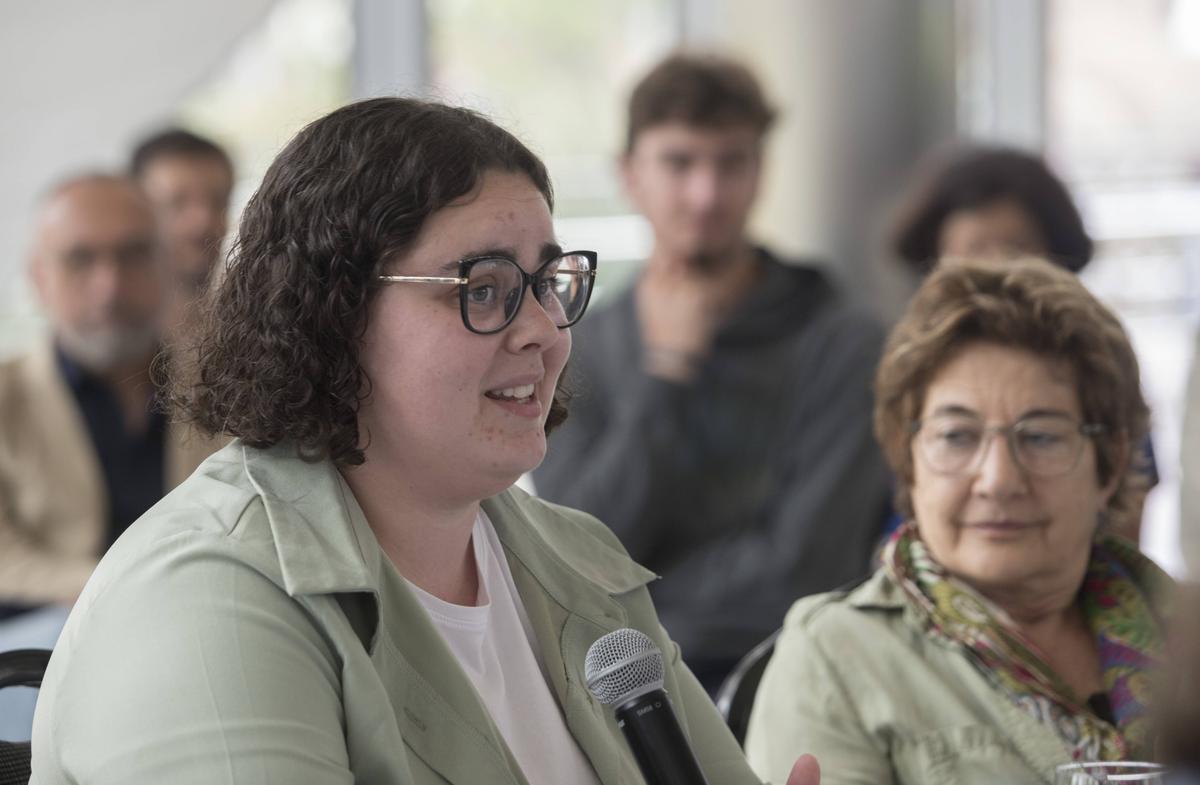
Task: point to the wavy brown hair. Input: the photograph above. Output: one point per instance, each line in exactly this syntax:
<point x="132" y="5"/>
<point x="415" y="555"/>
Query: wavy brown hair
<point x="273" y="352"/>
<point x="1026" y="304"/>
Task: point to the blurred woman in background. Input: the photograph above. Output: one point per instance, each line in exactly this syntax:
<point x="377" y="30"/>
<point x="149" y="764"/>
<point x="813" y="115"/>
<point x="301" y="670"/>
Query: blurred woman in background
<point x="976" y="202"/>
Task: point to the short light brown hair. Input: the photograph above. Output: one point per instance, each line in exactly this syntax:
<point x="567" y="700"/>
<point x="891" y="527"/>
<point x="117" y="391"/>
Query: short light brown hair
<point x="1026" y="304"/>
<point x="698" y="90"/>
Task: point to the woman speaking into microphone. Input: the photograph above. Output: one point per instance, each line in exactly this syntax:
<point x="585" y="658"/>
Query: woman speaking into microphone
<point x="352" y="591"/>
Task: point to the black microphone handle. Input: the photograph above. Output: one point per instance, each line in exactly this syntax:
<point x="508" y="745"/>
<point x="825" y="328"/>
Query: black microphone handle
<point x="653" y="732"/>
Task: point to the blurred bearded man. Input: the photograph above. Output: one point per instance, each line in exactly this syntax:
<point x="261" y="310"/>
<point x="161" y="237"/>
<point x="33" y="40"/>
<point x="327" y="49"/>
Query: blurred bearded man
<point x="85" y="450"/>
<point x="722" y="422"/>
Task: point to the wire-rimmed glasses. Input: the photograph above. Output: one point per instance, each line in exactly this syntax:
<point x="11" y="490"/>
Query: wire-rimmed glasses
<point x="492" y="288"/>
<point x="1045" y="445"/>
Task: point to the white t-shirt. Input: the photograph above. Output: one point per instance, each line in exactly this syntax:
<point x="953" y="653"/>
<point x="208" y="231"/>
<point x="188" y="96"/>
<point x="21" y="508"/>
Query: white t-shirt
<point x="493" y="642"/>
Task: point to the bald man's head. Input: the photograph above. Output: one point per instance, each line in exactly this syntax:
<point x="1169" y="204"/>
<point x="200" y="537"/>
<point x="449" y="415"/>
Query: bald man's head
<point x="96" y="265"/>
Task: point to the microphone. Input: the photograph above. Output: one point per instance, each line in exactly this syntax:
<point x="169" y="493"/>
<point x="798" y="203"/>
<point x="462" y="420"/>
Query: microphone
<point x="624" y="669"/>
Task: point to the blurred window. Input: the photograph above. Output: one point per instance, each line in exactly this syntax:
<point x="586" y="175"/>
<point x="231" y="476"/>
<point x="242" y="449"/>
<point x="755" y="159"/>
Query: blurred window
<point x="558" y="76"/>
<point x="294" y="68"/>
<point x="1123" y="128"/>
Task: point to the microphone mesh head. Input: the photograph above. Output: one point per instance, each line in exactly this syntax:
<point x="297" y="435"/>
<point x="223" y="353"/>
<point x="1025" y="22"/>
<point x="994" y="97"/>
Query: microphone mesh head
<point x="622" y="665"/>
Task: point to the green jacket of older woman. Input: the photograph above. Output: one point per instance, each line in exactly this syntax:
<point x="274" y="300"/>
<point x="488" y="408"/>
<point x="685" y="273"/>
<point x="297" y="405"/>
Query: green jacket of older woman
<point x="886" y="702"/>
<point x="249" y="630"/>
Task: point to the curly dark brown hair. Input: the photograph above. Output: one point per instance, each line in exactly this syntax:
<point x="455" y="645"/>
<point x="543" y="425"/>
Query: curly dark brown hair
<point x="273" y="351"/>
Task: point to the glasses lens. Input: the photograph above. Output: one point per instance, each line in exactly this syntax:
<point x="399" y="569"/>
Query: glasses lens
<point x="495" y="288"/>
<point x="493" y="293"/>
<point x="1042" y="446"/>
<point x="1047" y="446"/>
<point x="949" y="442"/>
<point x="564" y="287"/>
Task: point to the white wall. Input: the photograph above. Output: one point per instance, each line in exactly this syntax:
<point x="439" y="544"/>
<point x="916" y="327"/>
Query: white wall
<point x="81" y="82"/>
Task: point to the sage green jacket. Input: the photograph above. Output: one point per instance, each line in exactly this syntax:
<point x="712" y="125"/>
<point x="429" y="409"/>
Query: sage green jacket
<point x="857" y="682"/>
<point x="248" y="629"/>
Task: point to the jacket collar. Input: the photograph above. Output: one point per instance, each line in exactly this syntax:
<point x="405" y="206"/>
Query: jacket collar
<point x="318" y="528"/>
<point x="877" y="592"/>
<point x="578" y="571"/>
<point x="322" y="536"/>
<point x="567" y="578"/>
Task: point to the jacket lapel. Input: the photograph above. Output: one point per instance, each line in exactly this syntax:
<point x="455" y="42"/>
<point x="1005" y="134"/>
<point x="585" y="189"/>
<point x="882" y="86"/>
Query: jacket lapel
<point x="563" y="638"/>
<point x="566" y="579"/>
<point x="1036" y="745"/>
<point x="441" y="717"/>
<point x="1033" y="741"/>
<point x="567" y="590"/>
<point x="325" y="546"/>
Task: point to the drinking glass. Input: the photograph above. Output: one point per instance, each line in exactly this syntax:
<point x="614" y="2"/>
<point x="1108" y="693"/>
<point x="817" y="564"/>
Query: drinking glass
<point x="1098" y="772"/>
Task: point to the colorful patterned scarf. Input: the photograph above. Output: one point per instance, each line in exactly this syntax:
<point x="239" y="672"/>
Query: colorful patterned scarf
<point x="1121" y="595"/>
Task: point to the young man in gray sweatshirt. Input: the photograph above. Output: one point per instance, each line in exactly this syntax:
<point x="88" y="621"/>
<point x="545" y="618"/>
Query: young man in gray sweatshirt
<point x="722" y="418"/>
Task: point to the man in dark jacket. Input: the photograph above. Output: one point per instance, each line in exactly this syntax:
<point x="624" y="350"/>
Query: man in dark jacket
<point x="722" y="420"/>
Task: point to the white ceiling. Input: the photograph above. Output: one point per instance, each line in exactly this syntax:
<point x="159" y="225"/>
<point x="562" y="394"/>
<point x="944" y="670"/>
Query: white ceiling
<point x="79" y="82"/>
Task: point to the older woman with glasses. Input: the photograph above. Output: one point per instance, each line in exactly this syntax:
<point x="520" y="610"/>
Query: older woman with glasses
<point x="1005" y="633"/>
<point x="352" y="591"/>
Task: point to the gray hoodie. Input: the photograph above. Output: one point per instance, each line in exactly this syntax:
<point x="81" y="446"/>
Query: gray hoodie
<point x="757" y="483"/>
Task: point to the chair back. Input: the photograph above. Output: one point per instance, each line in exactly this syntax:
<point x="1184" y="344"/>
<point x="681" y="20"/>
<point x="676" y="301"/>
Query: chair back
<point x="735" y="698"/>
<point x="19" y="668"/>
